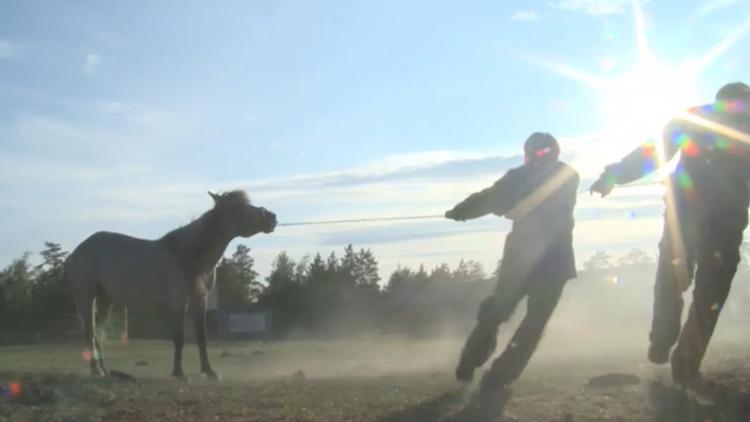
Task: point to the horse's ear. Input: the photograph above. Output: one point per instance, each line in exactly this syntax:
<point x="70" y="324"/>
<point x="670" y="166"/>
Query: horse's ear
<point x="214" y="196"/>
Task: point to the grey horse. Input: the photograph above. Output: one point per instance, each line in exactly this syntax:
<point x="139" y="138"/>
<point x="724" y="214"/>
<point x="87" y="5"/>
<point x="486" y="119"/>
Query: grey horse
<point x="175" y="271"/>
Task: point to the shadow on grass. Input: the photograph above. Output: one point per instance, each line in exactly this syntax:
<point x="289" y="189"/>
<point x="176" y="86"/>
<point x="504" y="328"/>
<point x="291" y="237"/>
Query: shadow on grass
<point x="712" y="402"/>
<point x="486" y="406"/>
<point x="431" y="410"/>
<point x="454" y="407"/>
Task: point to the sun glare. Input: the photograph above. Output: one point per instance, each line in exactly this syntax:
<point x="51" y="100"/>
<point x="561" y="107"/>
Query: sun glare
<point x="637" y="101"/>
<point x="642" y="100"/>
<point x="634" y="106"/>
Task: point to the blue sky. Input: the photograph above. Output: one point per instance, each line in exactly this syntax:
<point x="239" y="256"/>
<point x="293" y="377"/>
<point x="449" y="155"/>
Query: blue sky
<point x="120" y="115"/>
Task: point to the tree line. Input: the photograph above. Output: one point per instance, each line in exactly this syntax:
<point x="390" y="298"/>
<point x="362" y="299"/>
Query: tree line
<point x="336" y="295"/>
<point x="35" y="301"/>
<point x="331" y="296"/>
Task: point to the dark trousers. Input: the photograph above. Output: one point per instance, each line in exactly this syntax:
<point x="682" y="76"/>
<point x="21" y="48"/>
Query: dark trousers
<point x="543" y="295"/>
<point x="706" y="250"/>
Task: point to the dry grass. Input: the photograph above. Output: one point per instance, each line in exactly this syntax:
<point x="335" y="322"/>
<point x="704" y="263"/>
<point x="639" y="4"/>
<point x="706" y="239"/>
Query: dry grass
<point x="383" y="380"/>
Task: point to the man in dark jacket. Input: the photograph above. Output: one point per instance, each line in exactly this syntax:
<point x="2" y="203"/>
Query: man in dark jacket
<point x="539" y="197"/>
<point x="706" y="213"/>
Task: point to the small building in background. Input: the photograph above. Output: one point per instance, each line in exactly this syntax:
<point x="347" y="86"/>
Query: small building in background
<point x="224" y="324"/>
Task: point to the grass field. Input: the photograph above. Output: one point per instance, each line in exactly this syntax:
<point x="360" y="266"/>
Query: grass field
<point x="372" y="379"/>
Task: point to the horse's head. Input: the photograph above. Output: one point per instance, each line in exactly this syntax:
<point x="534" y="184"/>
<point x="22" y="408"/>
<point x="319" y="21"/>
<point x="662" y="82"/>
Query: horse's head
<point x="239" y="217"/>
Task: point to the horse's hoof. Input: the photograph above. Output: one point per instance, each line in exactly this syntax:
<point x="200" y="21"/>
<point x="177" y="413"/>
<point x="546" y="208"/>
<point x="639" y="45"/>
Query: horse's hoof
<point x="212" y="376"/>
<point x="99" y="373"/>
<point x="179" y="376"/>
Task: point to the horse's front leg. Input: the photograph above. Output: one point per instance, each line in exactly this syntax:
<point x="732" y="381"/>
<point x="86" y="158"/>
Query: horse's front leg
<point x="198" y="312"/>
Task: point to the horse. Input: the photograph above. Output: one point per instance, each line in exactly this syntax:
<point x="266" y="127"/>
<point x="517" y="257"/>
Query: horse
<point x="175" y="271"/>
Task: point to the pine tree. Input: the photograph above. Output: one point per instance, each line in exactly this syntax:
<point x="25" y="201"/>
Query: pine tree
<point x="634" y="258"/>
<point x="332" y="265"/>
<point x="301" y="270"/>
<point x="441" y="274"/>
<point x="348" y="266"/>
<point x="284" y="296"/>
<point x="399" y="281"/>
<point x="16" y="281"/>
<point x="282" y="272"/>
<point x="421" y="277"/>
<point x="598" y="261"/>
<point x="365" y="271"/>
<point x="316" y="270"/>
<point x="51" y="299"/>
<point x="237" y="281"/>
<point x="468" y="271"/>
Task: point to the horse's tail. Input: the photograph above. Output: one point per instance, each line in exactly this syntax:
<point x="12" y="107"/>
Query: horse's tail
<point x="69" y="285"/>
<point x="68" y="271"/>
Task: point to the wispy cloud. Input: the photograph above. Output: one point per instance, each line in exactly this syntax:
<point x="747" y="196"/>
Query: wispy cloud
<point x="595" y="7"/>
<point x="91" y="63"/>
<point x="68" y="141"/>
<point x="525" y="16"/>
<point x="7" y="49"/>
<point x="20" y="170"/>
<point x="114" y="133"/>
<point x="66" y="202"/>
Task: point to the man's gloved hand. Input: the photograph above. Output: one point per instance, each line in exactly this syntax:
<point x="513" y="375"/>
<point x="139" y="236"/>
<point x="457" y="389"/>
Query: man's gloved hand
<point x="451" y="215"/>
<point x="603" y="184"/>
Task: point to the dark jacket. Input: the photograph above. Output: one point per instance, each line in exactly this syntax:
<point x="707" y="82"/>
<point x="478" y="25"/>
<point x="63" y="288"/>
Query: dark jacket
<point x="540" y="200"/>
<point x="711" y="178"/>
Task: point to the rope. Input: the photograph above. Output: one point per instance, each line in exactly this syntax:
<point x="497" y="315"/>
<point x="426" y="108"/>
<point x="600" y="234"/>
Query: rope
<point x="413" y="217"/>
<point x="362" y="220"/>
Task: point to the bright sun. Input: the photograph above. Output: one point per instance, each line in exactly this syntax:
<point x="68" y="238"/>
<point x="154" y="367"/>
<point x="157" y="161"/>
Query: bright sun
<point x="644" y="98"/>
<point x="636" y="103"/>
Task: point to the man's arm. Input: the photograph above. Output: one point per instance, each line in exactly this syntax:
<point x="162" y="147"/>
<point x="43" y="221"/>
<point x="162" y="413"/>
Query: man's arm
<point x="497" y="199"/>
<point x="641" y="161"/>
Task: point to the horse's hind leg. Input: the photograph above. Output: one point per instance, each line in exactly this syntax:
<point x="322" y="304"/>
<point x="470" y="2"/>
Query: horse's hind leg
<point x="124" y="336"/>
<point x="86" y="307"/>
<point x="178" y="330"/>
<point x="99" y="356"/>
<point x="97" y="342"/>
<point x="178" y="299"/>
<point x="102" y="305"/>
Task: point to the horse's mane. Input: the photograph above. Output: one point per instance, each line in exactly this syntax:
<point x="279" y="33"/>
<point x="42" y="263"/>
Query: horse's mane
<point x="197" y="243"/>
<point x="235" y="197"/>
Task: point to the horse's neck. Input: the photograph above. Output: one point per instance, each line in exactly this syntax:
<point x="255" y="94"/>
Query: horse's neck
<point x="215" y="247"/>
<point x="201" y="244"/>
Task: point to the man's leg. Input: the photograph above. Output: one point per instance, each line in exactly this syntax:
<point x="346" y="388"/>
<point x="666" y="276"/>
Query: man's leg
<point x="482" y="341"/>
<point x="489" y="402"/>
<point x="713" y="279"/>
<point x="542" y="301"/>
<point x="673" y="277"/>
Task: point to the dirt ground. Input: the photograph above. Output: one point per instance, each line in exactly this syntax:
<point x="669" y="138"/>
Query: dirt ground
<point x="370" y="379"/>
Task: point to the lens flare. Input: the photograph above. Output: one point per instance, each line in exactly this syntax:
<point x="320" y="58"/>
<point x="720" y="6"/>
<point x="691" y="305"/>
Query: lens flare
<point x="684" y="179"/>
<point x="14" y="389"/>
<point x="637" y="101"/>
